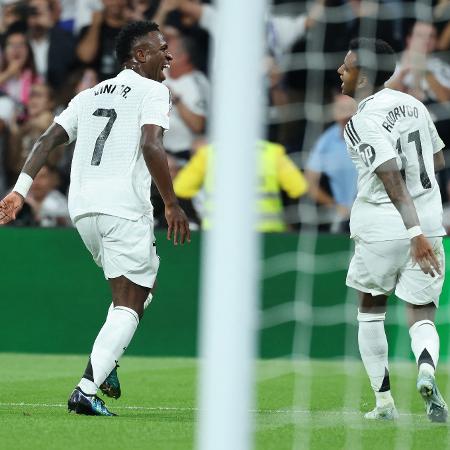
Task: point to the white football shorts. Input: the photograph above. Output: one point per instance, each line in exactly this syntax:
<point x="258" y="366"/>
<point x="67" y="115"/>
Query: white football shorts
<point x="121" y="246"/>
<point x="380" y="268"/>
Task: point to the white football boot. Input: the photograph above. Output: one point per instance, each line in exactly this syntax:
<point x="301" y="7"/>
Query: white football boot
<point x="385" y="412"/>
<point x="436" y="408"/>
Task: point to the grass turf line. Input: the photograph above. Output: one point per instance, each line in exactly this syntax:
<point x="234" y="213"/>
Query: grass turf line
<point x="158" y="407"/>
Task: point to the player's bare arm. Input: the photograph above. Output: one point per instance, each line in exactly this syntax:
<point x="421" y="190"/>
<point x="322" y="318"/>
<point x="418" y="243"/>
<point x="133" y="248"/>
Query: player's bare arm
<point x="156" y="160"/>
<point x="439" y="161"/>
<point x="421" y="250"/>
<point x="53" y="137"/>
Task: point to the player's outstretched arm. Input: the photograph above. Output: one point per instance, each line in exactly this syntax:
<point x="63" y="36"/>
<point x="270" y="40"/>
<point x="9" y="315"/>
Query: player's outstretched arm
<point x="421" y="250"/>
<point x="11" y="205"/>
<point x="53" y="137"/>
<point x="156" y="160"/>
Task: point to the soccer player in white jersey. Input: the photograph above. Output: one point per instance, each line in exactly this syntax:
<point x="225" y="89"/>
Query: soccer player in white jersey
<point x="118" y="126"/>
<point x="396" y="220"/>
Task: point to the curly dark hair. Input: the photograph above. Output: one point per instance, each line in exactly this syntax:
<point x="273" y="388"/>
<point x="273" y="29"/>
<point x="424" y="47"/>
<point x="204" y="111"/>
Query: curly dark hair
<point x="375" y="57"/>
<point x="128" y="36"/>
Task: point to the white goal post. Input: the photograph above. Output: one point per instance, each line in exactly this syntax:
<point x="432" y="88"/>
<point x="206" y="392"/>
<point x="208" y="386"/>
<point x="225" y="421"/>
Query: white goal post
<point x="230" y="253"/>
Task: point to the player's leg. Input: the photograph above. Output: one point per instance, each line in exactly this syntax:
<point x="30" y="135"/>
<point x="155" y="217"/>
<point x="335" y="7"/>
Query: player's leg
<point x="424" y="337"/>
<point x="425" y="346"/>
<point x="373" y="348"/>
<point x="112" y="340"/>
<point x="111" y="386"/>
<point x="421" y="293"/>
<point x="373" y="273"/>
<point x="121" y="247"/>
<point x="116" y="333"/>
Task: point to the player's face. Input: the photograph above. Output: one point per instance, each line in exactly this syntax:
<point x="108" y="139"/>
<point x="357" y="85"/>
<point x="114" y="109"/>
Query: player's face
<point x="157" y="57"/>
<point x="349" y="74"/>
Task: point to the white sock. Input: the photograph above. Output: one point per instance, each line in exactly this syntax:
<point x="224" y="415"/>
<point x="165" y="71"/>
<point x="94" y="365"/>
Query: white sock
<point x="111" y="342"/>
<point x="373" y="347"/>
<point x="425" y="345"/>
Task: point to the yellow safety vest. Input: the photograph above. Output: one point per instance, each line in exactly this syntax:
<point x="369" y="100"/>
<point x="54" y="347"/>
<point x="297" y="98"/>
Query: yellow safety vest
<point x="276" y="171"/>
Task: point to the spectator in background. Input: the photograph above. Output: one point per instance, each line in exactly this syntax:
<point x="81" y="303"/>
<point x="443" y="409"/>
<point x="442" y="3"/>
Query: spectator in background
<point x="374" y="19"/>
<point x="444" y="39"/>
<point x="77" y="14"/>
<point x="276" y="173"/>
<point x="18" y="71"/>
<point x="48" y="205"/>
<point x="23" y="136"/>
<point x="420" y="73"/>
<point x="12" y="11"/>
<point x="282" y="31"/>
<point x="190" y="92"/>
<point x="7" y="118"/>
<point x="329" y="158"/>
<point x="79" y="79"/>
<point x="53" y="47"/>
<point x="442" y="20"/>
<point x="3" y="155"/>
<point x="96" y="46"/>
<point x="141" y="9"/>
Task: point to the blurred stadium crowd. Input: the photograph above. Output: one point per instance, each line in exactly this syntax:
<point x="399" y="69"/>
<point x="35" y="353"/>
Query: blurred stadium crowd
<point x="53" y="49"/>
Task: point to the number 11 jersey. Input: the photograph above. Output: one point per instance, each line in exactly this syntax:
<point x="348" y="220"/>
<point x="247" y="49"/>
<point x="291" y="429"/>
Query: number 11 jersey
<point x="109" y="174"/>
<point x="387" y="125"/>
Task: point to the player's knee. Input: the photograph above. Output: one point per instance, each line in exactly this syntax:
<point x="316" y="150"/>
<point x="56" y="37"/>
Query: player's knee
<point x="371" y="316"/>
<point x="420" y="323"/>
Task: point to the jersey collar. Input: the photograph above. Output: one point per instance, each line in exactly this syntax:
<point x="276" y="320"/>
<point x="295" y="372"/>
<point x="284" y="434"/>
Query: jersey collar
<point x="365" y="100"/>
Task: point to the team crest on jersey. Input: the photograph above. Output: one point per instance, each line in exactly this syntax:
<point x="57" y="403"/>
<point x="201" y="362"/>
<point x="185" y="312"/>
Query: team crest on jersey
<point x="367" y="153"/>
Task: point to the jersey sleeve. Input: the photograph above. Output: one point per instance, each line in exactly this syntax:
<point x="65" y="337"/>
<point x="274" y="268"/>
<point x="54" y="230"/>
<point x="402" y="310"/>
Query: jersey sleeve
<point x="437" y="142"/>
<point x="155" y="107"/>
<point x="68" y="119"/>
<point x="369" y="141"/>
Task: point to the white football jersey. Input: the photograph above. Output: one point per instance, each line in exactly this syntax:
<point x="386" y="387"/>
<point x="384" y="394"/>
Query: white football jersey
<point x="391" y="124"/>
<point x="109" y="174"/>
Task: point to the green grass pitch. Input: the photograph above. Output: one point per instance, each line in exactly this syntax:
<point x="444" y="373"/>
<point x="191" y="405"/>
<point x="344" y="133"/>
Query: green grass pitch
<point x="316" y="405"/>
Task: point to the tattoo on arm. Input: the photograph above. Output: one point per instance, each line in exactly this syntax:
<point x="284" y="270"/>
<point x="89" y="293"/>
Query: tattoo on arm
<point x="398" y="193"/>
<point x="54" y="136"/>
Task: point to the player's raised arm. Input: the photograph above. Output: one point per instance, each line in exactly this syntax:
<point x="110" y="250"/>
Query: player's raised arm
<point x="421" y="250"/>
<point x="156" y="160"/>
<point x="11" y="205"/>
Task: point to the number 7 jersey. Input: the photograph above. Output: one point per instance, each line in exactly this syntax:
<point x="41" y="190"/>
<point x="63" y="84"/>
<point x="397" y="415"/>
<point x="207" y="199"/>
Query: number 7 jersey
<point x="109" y="174"/>
<point x="387" y="125"/>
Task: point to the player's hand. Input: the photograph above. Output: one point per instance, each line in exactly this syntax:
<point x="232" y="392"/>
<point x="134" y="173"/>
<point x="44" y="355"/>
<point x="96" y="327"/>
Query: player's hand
<point x="422" y="253"/>
<point x="10" y="206"/>
<point x="178" y="224"/>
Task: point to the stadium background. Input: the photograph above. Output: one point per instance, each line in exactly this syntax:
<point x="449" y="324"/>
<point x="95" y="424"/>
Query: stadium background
<point x="64" y="282"/>
<point x="54" y="299"/>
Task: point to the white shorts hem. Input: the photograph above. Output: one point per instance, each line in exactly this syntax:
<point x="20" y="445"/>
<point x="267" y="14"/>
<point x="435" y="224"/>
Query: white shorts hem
<point x="360" y="288"/>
